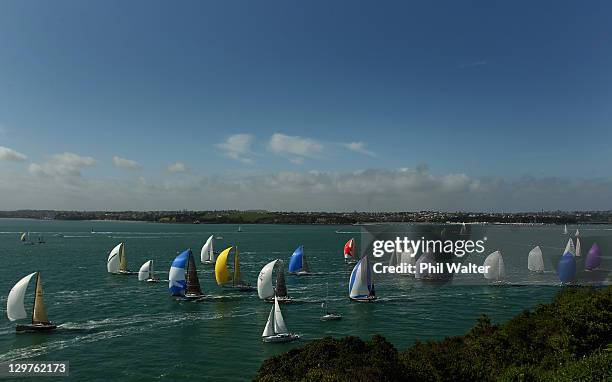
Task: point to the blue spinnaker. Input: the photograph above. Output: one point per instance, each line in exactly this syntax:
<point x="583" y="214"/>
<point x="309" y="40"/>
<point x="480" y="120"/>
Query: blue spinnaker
<point x="296" y="260"/>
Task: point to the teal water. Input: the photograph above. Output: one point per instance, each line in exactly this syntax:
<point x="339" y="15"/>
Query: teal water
<point x="113" y="327"/>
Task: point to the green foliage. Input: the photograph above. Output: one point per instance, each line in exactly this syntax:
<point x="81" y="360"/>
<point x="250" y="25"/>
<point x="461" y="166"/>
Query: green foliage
<point x="567" y="340"/>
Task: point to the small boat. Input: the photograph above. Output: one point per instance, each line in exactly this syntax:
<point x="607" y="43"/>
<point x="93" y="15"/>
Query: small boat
<point x="578" y="253"/>
<point x="41" y="240"/>
<point x="146" y="273"/>
<point x="298" y="264"/>
<point x="593" y="258"/>
<point x="183" y="279"/>
<point x="276" y="330"/>
<point x="15" y="308"/>
<point x="566" y="269"/>
<point x="565" y="229"/>
<point x="463" y="229"/>
<point x="222" y="274"/>
<point x="569" y="247"/>
<point x="349" y="251"/>
<point x="329" y="316"/>
<point x="116" y="262"/>
<point x="207" y="255"/>
<point x="496" y="270"/>
<point x="535" y="260"/>
<point x="361" y="286"/>
<point x="266" y="290"/>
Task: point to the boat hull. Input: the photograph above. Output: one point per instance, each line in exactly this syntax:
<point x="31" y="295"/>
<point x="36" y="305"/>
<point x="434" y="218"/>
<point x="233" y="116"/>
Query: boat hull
<point x="153" y="280"/>
<point x="193" y="297"/>
<point x="35" y="328"/>
<point x="288" y="337"/>
<point x="331" y="317"/>
<point x="281" y="300"/>
<point x="363" y="299"/>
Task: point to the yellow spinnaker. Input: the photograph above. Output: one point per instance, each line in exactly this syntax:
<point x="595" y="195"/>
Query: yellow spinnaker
<point x="221" y="273"/>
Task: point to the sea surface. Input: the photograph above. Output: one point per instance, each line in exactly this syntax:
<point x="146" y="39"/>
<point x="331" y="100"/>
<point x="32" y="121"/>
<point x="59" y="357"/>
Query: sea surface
<point x="113" y="327"/>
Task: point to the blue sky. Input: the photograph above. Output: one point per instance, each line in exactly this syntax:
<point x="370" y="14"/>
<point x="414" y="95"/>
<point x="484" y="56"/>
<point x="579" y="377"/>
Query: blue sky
<point x="497" y="92"/>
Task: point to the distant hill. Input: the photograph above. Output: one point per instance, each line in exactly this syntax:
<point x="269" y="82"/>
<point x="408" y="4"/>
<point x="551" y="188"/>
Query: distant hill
<point x="567" y="340"/>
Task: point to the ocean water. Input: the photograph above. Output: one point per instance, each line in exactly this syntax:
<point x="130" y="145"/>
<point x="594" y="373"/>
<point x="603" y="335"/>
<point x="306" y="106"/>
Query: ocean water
<point x="114" y="327"/>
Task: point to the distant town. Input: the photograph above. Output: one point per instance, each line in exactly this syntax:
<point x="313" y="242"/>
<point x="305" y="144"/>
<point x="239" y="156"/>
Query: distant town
<point x="269" y="217"/>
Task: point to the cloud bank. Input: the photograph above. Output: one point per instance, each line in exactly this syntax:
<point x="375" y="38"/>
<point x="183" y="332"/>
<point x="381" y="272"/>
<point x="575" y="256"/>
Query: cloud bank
<point x="11" y="155"/>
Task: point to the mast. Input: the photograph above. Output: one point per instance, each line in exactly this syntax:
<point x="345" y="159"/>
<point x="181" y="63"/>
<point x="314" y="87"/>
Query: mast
<point x="193" y="283"/>
<point x="39" y="314"/>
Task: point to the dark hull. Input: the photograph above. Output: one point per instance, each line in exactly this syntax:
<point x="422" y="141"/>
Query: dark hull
<point x="281" y="300"/>
<point x="32" y="328"/>
<point x="363" y="299"/>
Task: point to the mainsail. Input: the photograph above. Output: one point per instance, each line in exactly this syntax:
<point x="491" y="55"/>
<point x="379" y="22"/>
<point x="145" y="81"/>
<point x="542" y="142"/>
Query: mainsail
<point x="569" y="248"/>
<point x="565" y="229"/>
<point x="122" y="259"/>
<point x="360" y="282"/>
<point x="495" y="263"/>
<point x="593" y="258"/>
<point x="535" y="261"/>
<point x="176" y="276"/>
<point x="193" y="283"/>
<point x="39" y="315"/>
<point x="275" y="324"/>
<point x="113" y="263"/>
<point x="280" y="289"/>
<point x="349" y="249"/>
<point x="423" y="272"/>
<point x="578" y="253"/>
<point x="237" y="280"/>
<point x="207" y="254"/>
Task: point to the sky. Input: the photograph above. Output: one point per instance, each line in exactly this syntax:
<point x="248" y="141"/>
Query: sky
<point x="295" y="105"/>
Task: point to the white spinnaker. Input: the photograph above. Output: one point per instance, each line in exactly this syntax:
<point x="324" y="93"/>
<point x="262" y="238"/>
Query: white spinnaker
<point x="207" y="253"/>
<point x="143" y="272"/>
<point x="269" y="329"/>
<point x="112" y="264"/>
<point x="265" y="289"/>
<point x="496" y="270"/>
<point x="15" y="310"/>
<point x="279" y="322"/>
<point x="535" y="261"/>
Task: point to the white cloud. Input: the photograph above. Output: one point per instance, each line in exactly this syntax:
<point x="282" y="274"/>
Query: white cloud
<point x="126" y="163"/>
<point x="294" y="147"/>
<point x="12" y="155"/>
<point x="177" y="167"/>
<point x="359" y="147"/>
<point x="62" y="165"/>
<point x="237" y="147"/>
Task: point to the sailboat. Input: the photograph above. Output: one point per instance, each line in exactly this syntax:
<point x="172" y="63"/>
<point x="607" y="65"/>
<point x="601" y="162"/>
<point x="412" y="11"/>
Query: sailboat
<point x="578" y="253"/>
<point x="569" y="247"/>
<point x="349" y="251"/>
<point x="276" y="330"/>
<point x="566" y="269"/>
<point x="183" y="277"/>
<point x="117" y="262"/>
<point x="266" y="290"/>
<point x="223" y="276"/>
<point x="146" y="273"/>
<point x="496" y="270"/>
<point x="423" y="273"/>
<point x="463" y="229"/>
<point x="15" y="308"/>
<point x="329" y="316"/>
<point x="25" y="238"/>
<point x="239" y="229"/>
<point x="207" y="255"/>
<point x="535" y="261"/>
<point x="577" y="234"/>
<point x="361" y="286"/>
<point x="297" y="262"/>
<point x="593" y="258"/>
<point x="565" y="229"/>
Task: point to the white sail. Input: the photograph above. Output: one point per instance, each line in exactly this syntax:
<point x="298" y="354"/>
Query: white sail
<point x="145" y="271"/>
<point x="578" y="254"/>
<point x="496" y="270"/>
<point x="535" y="261"/>
<point x="577" y="233"/>
<point x="279" y="322"/>
<point x="15" y="310"/>
<point x="265" y="289"/>
<point x="565" y="229"/>
<point x="406" y="258"/>
<point x="426" y="258"/>
<point x="569" y="247"/>
<point x="113" y="262"/>
<point x="359" y="279"/>
<point x="269" y="329"/>
<point x="207" y="254"/>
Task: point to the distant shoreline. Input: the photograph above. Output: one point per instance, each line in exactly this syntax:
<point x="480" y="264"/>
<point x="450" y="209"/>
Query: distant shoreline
<point x="318" y="218"/>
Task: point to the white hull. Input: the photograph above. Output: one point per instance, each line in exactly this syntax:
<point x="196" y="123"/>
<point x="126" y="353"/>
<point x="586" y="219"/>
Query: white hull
<point x="281" y="300"/>
<point x="286" y="337"/>
<point x="331" y="317"/>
